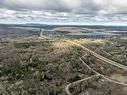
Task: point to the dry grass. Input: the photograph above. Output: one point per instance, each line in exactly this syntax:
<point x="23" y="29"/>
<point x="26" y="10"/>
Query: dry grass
<point x="61" y="45"/>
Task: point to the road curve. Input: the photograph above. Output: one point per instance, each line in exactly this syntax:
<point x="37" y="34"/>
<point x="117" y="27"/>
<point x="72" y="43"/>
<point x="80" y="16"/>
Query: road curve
<point x="74" y="83"/>
<point x="104" y="77"/>
<point x="99" y="56"/>
<point x="97" y="74"/>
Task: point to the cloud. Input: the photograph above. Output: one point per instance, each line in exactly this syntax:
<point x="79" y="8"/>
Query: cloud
<point x="64" y="10"/>
<point x="75" y="6"/>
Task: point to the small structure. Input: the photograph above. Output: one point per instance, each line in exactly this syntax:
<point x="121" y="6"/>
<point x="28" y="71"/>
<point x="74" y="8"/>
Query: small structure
<point x="41" y="32"/>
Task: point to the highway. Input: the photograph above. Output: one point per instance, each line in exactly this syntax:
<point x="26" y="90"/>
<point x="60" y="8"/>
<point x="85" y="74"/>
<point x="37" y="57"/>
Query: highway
<point x="104" y="77"/>
<point x="99" y="56"/>
<point x="97" y="74"/>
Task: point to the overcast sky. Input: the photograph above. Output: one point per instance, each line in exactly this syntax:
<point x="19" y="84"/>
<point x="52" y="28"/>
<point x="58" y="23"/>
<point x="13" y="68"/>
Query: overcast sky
<point x="64" y="11"/>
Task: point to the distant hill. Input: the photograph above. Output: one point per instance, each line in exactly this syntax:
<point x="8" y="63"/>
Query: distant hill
<point x="46" y="26"/>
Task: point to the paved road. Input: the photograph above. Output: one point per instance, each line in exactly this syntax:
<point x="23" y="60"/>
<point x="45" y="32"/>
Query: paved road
<point x="97" y="74"/>
<point x="74" y="83"/>
<point x="99" y="56"/>
<point x="103" y="75"/>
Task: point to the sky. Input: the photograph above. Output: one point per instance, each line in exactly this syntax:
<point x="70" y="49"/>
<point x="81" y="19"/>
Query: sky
<point x="102" y="12"/>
